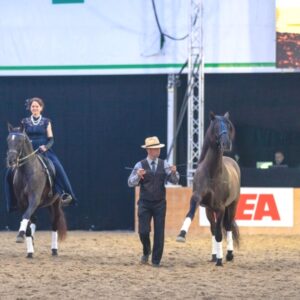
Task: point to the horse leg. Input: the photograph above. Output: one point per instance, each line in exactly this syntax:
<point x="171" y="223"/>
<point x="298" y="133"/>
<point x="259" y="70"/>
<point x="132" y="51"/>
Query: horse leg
<point x="194" y="203"/>
<point x="33" y="221"/>
<point x="212" y="220"/>
<point x="231" y="229"/>
<point x="33" y="204"/>
<point x="54" y="243"/>
<point x="30" y="231"/>
<point x="21" y="234"/>
<point x="29" y="242"/>
<point x="59" y="227"/>
<point x="218" y="237"/>
<point x="54" y="236"/>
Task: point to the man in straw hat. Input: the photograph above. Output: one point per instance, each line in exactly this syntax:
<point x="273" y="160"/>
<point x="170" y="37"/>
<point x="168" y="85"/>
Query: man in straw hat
<point x="151" y="174"/>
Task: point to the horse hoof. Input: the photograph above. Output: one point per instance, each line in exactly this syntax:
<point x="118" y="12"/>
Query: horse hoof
<point x="219" y="262"/>
<point x="229" y="255"/>
<point x="20" y="237"/>
<point x="181" y="237"/>
<point x="29" y="255"/>
<point x="54" y="252"/>
<point x="214" y="258"/>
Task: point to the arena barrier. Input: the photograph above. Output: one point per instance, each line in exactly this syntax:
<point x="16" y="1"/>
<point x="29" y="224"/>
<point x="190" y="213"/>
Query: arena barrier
<point x="260" y="211"/>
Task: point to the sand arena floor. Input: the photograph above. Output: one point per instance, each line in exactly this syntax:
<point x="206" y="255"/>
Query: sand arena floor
<point x="105" y="265"/>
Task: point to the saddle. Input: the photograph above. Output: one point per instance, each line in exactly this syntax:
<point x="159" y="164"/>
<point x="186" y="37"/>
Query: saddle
<point x="50" y="171"/>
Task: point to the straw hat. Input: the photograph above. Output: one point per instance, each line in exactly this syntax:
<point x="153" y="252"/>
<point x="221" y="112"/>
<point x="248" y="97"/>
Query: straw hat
<point x="152" y="142"/>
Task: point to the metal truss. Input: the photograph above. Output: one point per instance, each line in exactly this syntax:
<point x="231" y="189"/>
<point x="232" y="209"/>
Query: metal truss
<point x="195" y="89"/>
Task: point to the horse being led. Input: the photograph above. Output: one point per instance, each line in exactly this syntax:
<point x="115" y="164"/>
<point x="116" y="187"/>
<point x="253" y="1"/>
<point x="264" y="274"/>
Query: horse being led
<point x="32" y="190"/>
<point x="216" y="186"/>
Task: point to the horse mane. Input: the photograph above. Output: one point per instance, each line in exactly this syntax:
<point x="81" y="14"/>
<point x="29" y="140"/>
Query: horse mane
<point x="206" y="144"/>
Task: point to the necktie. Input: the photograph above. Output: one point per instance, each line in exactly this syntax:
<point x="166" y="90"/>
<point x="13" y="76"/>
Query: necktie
<point x="153" y="166"/>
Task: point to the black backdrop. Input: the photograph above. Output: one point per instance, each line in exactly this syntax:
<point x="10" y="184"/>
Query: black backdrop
<point x="265" y="109"/>
<point x="100" y="122"/>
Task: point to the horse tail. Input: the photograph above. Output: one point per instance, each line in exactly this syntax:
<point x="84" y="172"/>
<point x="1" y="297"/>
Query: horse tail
<point x="60" y="223"/>
<point x="235" y="234"/>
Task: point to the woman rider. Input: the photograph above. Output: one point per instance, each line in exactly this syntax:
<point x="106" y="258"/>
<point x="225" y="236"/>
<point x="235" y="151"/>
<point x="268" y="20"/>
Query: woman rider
<point x="39" y="131"/>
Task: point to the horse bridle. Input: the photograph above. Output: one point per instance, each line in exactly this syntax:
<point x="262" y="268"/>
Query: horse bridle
<point x="21" y="160"/>
<point x="223" y="130"/>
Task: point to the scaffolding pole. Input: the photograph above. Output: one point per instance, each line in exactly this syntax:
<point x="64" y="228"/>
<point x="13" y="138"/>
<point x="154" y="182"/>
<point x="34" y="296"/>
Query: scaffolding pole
<point x="195" y="89"/>
<point x="172" y="119"/>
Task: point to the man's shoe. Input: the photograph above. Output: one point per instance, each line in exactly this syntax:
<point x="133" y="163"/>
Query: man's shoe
<point x="144" y="259"/>
<point x="155" y="265"/>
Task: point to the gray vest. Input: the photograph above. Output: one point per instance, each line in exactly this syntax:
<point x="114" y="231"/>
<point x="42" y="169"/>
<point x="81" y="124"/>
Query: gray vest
<point x="152" y="187"/>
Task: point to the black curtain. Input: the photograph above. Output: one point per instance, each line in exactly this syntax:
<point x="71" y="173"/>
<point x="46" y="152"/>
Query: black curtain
<point x="99" y="123"/>
<point x="265" y="109"/>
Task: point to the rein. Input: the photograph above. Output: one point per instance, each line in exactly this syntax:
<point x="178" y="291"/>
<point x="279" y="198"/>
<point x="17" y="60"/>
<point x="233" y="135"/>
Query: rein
<point x="23" y="160"/>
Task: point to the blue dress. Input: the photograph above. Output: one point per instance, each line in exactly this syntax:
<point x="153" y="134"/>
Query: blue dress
<point x="38" y="137"/>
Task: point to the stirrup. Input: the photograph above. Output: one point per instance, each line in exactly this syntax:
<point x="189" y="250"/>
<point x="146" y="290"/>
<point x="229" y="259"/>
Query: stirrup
<point x="66" y="199"/>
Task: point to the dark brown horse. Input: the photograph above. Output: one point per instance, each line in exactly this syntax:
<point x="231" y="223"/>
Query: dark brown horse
<point x="216" y="186"/>
<point x="32" y="189"/>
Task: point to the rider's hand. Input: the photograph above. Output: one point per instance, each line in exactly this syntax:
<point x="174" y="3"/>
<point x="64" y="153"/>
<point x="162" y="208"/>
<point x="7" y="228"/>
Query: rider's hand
<point x="141" y="173"/>
<point x="43" y="148"/>
<point x="173" y="169"/>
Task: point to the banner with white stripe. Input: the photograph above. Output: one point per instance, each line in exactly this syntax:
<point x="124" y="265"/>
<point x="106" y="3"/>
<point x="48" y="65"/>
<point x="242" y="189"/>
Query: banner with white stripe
<point x="123" y="37"/>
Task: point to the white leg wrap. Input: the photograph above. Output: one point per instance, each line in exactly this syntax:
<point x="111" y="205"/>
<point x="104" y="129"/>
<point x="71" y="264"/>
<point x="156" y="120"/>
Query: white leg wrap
<point x="229" y="241"/>
<point x="29" y="244"/>
<point x="219" y="250"/>
<point x="213" y="245"/>
<point x="23" y="225"/>
<point x="54" y="244"/>
<point x="33" y="229"/>
<point x="186" y="224"/>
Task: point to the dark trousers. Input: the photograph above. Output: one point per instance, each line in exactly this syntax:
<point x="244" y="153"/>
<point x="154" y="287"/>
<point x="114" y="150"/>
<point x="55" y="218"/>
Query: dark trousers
<point x="146" y="211"/>
<point x="61" y="180"/>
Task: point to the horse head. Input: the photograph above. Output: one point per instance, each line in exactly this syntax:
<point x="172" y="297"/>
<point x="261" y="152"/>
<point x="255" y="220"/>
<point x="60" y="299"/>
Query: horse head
<point x="221" y="131"/>
<point x="15" y="141"/>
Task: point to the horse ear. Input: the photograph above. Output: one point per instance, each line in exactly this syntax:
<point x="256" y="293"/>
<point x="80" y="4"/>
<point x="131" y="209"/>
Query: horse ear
<point x="9" y="127"/>
<point x="212" y="115"/>
<point x="226" y="116"/>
